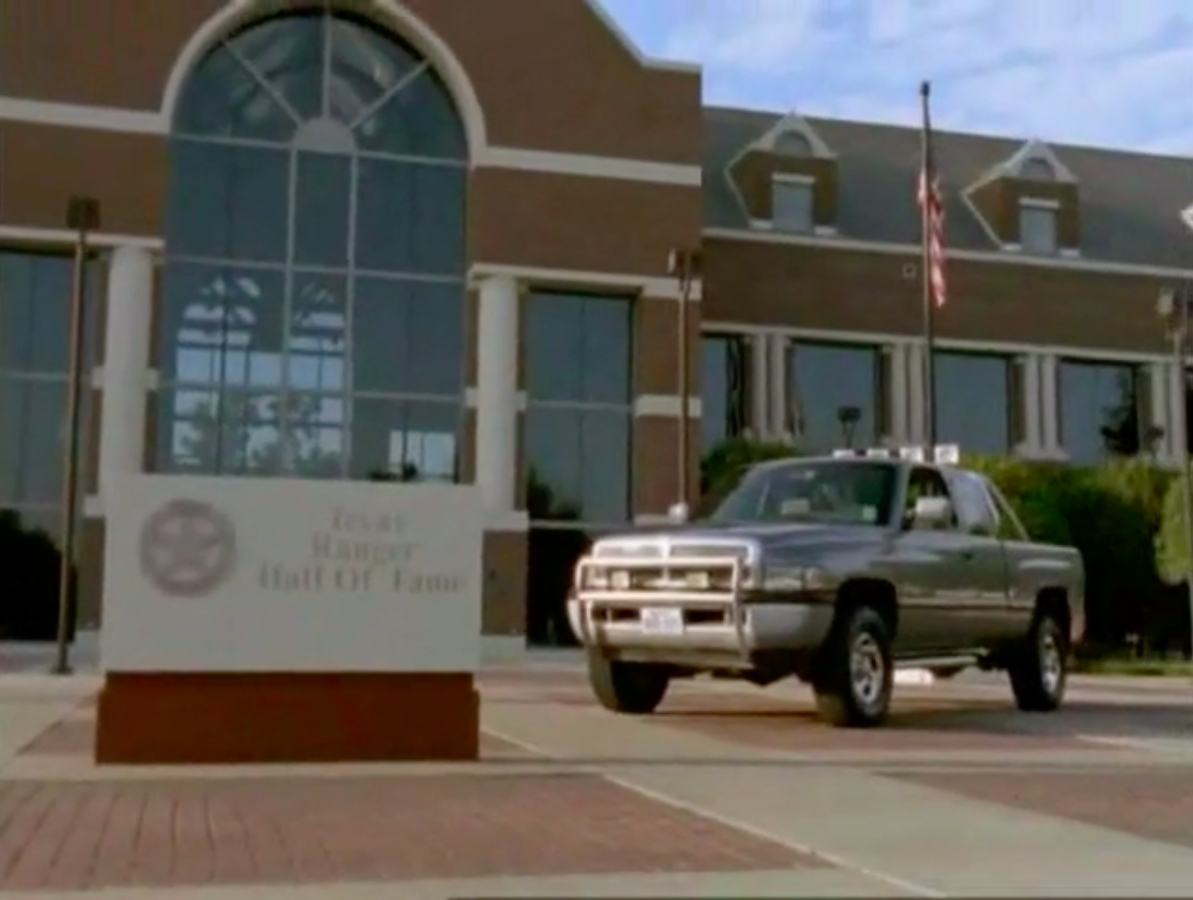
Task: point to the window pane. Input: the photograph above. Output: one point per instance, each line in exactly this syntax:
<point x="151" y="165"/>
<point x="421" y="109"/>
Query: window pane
<point x="1037" y="229"/>
<point x="408" y="336"/>
<point x="228" y="202"/>
<point x="213" y="432"/>
<point x="828" y="384"/>
<point x="322" y="193"/>
<point x="578" y="464"/>
<point x="366" y="64"/>
<point x="287" y="53"/>
<point x="223" y="325"/>
<point x="312" y="444"/>
<point x="578" y="348"/>
<point x="317" y="333"/>
<point x="724" y="375"/>
<point x="32" y="420"/>
<point x="1099" y="410"/>
<point x="791" y="206"/>
<point x="419" y="120"/>
<point x="973" y="401"/>
<point x="35" y="297"/>
<point x="405" y="440"/>
<point x="222" y="99"/>
<point x="410" y="218"/>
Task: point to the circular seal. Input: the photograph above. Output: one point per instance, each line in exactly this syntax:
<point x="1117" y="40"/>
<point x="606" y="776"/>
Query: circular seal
<point x="187" y="548"/>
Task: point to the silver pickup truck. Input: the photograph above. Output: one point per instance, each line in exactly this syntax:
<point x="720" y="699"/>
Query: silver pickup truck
<point x="836" y="570"/>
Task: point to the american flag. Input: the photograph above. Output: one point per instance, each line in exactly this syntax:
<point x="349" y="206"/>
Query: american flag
<point x="932" y="206"/>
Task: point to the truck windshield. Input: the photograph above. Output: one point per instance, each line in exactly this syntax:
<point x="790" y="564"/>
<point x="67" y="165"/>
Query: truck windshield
<point x="819" y="491"/>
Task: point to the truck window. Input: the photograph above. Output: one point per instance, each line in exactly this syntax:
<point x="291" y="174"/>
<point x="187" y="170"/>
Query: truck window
<point x="1010" y="528"/>
<point x="925" y="482"/>
<point x="975" y="514"/>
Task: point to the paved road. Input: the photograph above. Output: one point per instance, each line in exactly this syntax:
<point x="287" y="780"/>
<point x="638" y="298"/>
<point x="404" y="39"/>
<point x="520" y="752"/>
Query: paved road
<point x="727" y="790"/>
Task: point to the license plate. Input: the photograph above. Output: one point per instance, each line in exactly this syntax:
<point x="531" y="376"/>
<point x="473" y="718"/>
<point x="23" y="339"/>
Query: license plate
<point x="662" y="621"/>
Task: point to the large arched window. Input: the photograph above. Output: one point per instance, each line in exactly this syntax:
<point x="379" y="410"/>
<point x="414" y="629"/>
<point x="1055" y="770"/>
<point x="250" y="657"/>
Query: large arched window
<point x="315" y="259"/>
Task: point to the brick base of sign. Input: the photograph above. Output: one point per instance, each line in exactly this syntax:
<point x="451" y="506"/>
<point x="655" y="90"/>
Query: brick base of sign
<point x="213" y="718"/>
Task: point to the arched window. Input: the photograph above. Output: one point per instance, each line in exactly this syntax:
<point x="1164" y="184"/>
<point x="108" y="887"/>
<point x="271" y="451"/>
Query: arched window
<point x="1037" y="169"/>
<point x="793" y="143"/>
<point x="314" y="286"/>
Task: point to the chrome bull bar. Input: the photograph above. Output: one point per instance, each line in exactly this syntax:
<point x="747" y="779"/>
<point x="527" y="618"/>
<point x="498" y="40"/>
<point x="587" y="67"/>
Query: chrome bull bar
<point x="673" y="592"/>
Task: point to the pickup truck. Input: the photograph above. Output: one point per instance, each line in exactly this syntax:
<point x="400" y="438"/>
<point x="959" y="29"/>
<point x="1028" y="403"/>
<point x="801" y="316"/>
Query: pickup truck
<point x="836" y="570"/>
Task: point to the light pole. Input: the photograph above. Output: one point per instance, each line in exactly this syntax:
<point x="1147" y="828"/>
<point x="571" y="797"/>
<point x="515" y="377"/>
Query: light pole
<point x="683" y="264"/>
<point x="1173" y="309"/>
<point x="82" y="215"/>
<point x="848" y="416"/>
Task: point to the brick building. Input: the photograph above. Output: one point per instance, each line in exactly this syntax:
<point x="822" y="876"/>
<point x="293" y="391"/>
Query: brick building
<point x="429" y="239"/>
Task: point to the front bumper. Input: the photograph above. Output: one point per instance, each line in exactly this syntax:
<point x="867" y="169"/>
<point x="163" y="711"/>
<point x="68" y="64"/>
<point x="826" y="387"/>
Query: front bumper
<point x="738" y="630"/>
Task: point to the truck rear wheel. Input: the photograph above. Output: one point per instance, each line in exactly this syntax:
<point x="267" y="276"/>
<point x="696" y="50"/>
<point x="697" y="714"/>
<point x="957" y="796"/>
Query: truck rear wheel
<point x="627" y="687"/>
<point x="1039" y="668"/>
<point x="853" y="687"/>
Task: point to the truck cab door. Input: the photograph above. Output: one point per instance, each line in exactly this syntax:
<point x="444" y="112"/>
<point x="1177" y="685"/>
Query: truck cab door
<point x="987" y="611"/>
<point x="936" y="574"/>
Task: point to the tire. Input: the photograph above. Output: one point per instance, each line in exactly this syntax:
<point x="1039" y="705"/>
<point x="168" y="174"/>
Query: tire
<point x="846" y="701"/>
<point x="1039" y="669"/>
<point x="623" y="687"/>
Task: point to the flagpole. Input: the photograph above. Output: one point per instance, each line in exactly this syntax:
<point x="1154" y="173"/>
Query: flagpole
<point x="927" y="173"/>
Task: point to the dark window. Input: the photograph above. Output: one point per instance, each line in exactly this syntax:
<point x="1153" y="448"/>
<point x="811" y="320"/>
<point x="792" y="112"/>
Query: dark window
<point x="975" y="404"/>
<point x="314" y="287"/>
<point x="579" y="408"/>
<point x="925" y="482"/>
<point x="836" y="395"/>
<point x="1100" y="407"/>
<point x="35" y="297"/>
<point x="724" y="387"/>
<point x="972" y="503"/>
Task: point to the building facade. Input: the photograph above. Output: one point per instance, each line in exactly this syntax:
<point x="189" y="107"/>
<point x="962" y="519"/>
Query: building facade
<point x="429" y="239"/>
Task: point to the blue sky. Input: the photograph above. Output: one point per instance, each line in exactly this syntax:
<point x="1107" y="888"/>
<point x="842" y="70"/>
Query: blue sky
<point x="1115" y="73"/>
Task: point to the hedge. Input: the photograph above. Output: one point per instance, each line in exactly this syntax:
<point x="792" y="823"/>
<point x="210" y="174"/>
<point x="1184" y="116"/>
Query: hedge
<point x="1113" y="514"/>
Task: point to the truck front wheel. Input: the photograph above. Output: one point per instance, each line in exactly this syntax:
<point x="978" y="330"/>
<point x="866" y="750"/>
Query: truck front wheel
<point x="627" y="687"/>
<point x="853" y="686"/>
<point x="1039" y="666"/>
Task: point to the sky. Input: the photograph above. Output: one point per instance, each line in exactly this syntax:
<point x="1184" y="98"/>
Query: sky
<point x="1114" y="73"/>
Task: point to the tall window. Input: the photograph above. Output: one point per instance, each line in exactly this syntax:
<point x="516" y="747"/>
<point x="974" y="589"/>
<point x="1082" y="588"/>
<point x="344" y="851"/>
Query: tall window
<point x="315" y="259"/>
<point x="792" y="203"/>
<point x="579" y="407"/>
<point x="35" y="293"/>
<point x="1037" y="228"/>
<point x="977" y="401"/>
<point x="724" y="387"/>
<point x="1102" y="409"/>
<point x="837" y="394"/>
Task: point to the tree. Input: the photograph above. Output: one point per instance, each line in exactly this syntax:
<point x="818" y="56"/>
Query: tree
<point x="543" y="504"/>
<point x="1122" y="432"/>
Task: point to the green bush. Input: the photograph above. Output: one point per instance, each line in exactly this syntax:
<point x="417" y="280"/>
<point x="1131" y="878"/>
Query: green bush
<point x="1172" y="551"/>
<point x="723" y="466"/>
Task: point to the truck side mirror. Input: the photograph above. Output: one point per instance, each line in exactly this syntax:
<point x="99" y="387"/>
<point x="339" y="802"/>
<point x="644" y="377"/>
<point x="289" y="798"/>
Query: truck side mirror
<point x="931" y="513"/>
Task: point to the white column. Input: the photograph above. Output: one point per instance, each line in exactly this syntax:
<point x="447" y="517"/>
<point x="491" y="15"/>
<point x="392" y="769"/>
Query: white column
<point x="125" y="369"/>
<point x="760" y="388"/>
<point x="1159" y="384"/>
<point x="497" y="393"/>
<point x="917" y="359"/>
<point x="1177" y="439"/>
<point x="783" y="419"/>
<point x="900" y="433"/>
<point x="1049" y="406"/>
<point x="1033" y="438"/>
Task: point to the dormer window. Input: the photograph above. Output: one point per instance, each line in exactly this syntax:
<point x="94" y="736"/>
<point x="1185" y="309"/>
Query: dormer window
<point x="1037" y="169"/>
<point x="1037" y="226"/>
<point x="793" y="143"/>
<point x="792" y="201"/>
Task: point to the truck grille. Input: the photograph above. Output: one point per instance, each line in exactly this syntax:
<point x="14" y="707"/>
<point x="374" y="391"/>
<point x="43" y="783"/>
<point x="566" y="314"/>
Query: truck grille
<point x="679" y="568"/>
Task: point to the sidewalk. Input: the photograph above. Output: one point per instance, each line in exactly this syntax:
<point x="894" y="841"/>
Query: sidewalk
<point x="728" y="791"/>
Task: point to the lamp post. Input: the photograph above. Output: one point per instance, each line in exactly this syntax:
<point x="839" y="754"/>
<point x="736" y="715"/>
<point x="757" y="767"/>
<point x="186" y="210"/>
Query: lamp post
<point x="1173" y="309"/>
<point x="848" y="416"/>
<point x="82" y="216"/>
<point x="683" y="264"/>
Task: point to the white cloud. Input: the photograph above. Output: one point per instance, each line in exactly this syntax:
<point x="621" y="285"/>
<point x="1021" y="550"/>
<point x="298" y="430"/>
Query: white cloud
<point x="1113" y="72"/>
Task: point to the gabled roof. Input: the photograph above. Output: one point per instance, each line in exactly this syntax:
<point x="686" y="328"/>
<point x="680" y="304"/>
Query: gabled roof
<point x="1130" y="202"/>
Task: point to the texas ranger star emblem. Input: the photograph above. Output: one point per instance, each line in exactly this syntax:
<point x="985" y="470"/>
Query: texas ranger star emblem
<point x="187" y="548"/>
